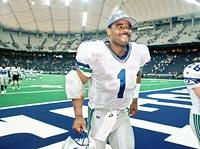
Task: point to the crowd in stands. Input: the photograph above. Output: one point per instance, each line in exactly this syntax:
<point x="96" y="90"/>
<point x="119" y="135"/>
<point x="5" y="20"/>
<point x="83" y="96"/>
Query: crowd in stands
<point x="198" y="36"/>
<point x="56" y="53"/>
<point x="170" y="62"/>
<point x="46" y="62"/>
<point x="181" y="32"/>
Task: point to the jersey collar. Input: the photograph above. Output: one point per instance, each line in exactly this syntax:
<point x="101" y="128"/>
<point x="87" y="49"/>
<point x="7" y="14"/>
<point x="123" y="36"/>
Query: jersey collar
<point x="122" y="58"/>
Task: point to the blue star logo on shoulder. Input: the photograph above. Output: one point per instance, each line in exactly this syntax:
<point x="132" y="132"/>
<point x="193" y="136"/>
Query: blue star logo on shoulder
<point x="77" y="141"/>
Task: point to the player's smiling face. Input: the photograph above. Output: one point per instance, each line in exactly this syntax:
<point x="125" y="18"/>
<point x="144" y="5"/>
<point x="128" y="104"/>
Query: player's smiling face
<point x="120" y="32"/>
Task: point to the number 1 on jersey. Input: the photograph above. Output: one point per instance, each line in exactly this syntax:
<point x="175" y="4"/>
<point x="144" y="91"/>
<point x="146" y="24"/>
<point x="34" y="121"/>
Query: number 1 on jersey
<point x="122" y="77"/>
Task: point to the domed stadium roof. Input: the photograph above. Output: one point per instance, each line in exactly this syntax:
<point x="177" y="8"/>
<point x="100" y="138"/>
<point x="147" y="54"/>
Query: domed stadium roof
<point x="66" y="15"/>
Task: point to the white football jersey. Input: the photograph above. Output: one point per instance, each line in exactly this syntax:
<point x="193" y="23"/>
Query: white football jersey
<point x="192" y="79"/>
<point x="4" y="72"/>
<point x="112" y="79"/>
<point x="15" y="71"/>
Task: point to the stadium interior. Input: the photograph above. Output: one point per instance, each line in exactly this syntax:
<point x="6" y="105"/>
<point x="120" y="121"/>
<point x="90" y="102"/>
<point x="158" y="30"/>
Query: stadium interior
<point x="171" y="40"/>
<point x="43" y="36"/>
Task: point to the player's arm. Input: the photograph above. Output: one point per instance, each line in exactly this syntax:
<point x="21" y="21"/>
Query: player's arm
<point x="75" y="81"/>
<point x="83" y="77"/>
<point x="134" y="106"/>
<point x="84" y="62"/>
<point x="79" y="123"/>
<point x="197" y="91"/>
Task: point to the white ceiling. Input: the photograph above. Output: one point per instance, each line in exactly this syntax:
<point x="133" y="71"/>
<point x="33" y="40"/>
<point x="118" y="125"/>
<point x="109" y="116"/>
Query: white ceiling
<point x="59" y="18"/>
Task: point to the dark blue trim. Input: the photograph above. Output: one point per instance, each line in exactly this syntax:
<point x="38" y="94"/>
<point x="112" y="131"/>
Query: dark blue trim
<point x="81" y="64"/>
<point x="125" y="56"/>
<point x="196" y="80"/>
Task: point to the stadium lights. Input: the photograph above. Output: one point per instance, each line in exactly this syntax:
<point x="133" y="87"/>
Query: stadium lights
<point x="195" y="2"/>
<point x="67" y="2"/>
<point x="32" y="2"/>
<point x="47" y="2"/>
<point x="84" y="18"/>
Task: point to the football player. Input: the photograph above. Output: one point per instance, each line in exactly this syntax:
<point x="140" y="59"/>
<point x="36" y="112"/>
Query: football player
<point x="113" y="68"/>
<point x="4" y="75"/>
<point x="192" y="79"/>
<point x="15" y="76"/>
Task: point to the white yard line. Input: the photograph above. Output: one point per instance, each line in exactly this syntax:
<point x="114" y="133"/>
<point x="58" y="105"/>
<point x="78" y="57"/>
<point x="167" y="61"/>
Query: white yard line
<point x="35" y="92"/>
<point x="33" y="104"/>
<point x="161" y="89"/>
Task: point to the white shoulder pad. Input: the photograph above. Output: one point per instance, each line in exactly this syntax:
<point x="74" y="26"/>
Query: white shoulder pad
<point x="74" y="88"/>
<point x="192" y="71"/>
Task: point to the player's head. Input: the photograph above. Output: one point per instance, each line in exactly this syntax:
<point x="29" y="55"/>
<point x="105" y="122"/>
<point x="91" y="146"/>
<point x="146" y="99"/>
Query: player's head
<point x="119" y="28"/>
<point x="120" y="15"/>
<point x="3" y="66"/>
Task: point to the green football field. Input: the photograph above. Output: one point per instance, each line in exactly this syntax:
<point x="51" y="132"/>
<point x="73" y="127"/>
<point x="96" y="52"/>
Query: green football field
<point x="51" y="88"/>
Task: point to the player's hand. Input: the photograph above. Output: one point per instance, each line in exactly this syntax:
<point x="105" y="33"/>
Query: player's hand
<point x="79" y="124"/>
<point x="133" y="107"/>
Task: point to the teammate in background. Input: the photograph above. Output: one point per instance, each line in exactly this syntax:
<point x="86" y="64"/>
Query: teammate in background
<point x="21" y="73"/>
<point x="191" y="75"/>
<point x="4" y="75"/>
<point x="15" y="76"/>
<point x="113" y="68"/>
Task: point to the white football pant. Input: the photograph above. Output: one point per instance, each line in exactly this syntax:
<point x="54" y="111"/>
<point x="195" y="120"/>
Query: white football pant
<point x="121" y="135"/>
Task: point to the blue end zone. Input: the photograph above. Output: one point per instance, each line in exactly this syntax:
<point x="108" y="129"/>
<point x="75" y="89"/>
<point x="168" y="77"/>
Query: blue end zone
<point x="145" y="138"/>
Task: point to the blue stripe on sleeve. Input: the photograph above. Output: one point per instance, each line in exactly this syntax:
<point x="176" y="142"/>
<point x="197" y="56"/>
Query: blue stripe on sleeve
<point x="196" y="80"/>
<point x="83" y="65"/>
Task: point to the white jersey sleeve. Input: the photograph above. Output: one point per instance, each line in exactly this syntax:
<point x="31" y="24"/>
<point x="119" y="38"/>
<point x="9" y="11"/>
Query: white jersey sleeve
<point x="84" y="59"/>
<point x="145" y="55"/>
<point x="191" y="75"/>
<point x="192" y="80"/>
<point x="142" y="52"/>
